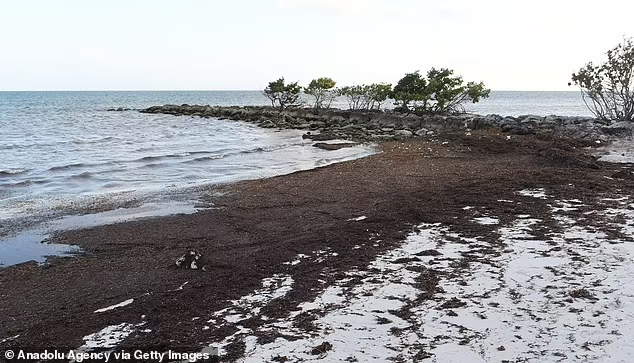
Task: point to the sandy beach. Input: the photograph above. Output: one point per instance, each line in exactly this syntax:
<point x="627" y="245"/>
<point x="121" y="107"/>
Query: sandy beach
<point x="462" y="247"/>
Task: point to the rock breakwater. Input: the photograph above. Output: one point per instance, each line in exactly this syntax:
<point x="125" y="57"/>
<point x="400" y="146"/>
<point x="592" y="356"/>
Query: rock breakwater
<point x="387" y="125"/>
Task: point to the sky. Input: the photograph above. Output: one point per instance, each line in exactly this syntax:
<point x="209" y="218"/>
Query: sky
<point x="244" y="44"/>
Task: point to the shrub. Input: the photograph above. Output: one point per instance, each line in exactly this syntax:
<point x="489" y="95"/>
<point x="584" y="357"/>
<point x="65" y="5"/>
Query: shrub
<point x="323" y="91"/>
<point x="366" y="97"/>
<point x="283" y="95"/>
<point x="379" y="93"/>
<point x="355" y="95"/>
<point x="608" y="89"/>
<point x="439" y="92"/>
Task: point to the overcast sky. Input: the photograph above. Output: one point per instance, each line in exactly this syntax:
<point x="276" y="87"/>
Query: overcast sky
<point x="243" y="44"/>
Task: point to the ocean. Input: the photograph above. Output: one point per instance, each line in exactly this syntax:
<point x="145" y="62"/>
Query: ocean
<point x="66" y="161"/>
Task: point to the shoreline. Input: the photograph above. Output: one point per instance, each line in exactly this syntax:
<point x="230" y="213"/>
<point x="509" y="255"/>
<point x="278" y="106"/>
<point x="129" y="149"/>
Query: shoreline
<point x="258" y="229"/>
<point x="19" y="230"/>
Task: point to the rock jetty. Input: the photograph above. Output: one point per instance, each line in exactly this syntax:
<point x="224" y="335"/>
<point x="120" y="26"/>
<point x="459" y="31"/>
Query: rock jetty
<point x="362" y="126"/>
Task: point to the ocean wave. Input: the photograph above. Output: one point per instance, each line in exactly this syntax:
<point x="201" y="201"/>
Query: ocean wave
<point x="8" y="172"/>
<point x="84" y="175"/>
<point x="26" y="183"/>
<point x="216" y="154"/>
<point x="209" y="157"/>
<point x="94" y="141"/>
<point x="166" y="156"/>
<point x="266" y="149"/>
<point x="80" y="165"/>
<point x="33" y="145"/>
<point x="227" y="153"/>
<point x="67" y="166"/>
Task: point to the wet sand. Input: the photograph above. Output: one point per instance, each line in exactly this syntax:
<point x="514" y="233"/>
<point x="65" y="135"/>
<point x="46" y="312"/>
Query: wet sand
<point x="257" y="229"/>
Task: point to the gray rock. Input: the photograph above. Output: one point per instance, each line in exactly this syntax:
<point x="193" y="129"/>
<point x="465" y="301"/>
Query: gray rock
<point x="337" y="120"/>
<point x="421" y="132"/>
<point x="492" y="119"/>
<point x="334" y="146"/>
<point x="403" y="133"/>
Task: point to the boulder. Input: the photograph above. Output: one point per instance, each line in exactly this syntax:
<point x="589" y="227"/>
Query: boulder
<point x="403" y="133"/>
<point x="334" y="146"/>
<point x="320" y="137"/>
<point x="421" y="132"/>
<point x="337" y="120"/>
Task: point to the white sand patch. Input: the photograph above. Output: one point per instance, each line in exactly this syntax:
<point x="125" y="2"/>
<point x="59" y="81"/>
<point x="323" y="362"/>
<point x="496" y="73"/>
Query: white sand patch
<point x="9" y="339"/>
<point x="486" y="220"/>
<point x="108" y="337"/>
<point x="565" y="295"/>
<point x="322" y="255"/>
<point x="331" y="297"/>
<point x="521" y="228"/>
<point x="456" y="353"/>
<point x="182" y="286"/>
<point x="575" y="201"/>
<point x="615" y="215"/>
<point x="358" y="320"/>
<point x="566" y="206"/>
<point x="618" y="157"/>
<point x="112" y="307"/>
<point x="622" y="199"/>
<point x="535" y="193"/>
<point x="250" y="305"/>
<point x="297" y="260"/>
<point x="234" y="318"/>
<point x="542" y="303"/>
<point x="357" y="219"/>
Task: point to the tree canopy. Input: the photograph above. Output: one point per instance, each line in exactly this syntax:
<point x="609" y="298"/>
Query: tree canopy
<point x="366" y="97"/>
<point x="440" y="92"/>
<point x="607" y="89"/>
<point x="322" y="89"/>
<point x="283" y="95"/>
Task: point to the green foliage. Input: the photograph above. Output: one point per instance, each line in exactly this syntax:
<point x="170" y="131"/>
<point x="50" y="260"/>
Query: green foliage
<point x="608" y="89"/>
<point x="409" y="91"/>
<point x="355" y="96"/>
<point x="323" y="91"/>
<point x="439" y="92"/>
<point x="283" y="95"/>
<point x="379" y="93"/>
<point x="366" y="97"/>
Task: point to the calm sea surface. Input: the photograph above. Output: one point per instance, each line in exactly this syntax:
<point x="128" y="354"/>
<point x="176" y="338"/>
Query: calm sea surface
<point x="63" y="153"/>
